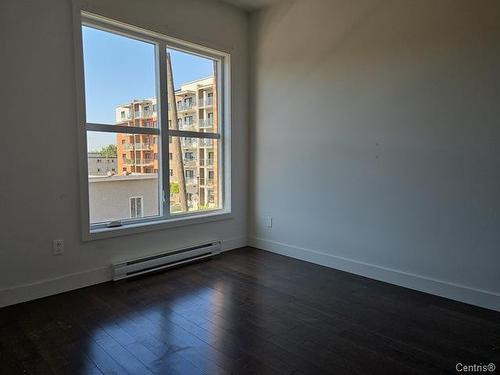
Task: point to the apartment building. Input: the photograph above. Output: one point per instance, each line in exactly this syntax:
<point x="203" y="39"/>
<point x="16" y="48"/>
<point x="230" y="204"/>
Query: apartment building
<point x="101" y="166"/>
<point x="195" y="107"/>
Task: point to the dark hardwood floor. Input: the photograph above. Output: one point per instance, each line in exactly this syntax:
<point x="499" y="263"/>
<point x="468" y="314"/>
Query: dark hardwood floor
<point x="246" y="312"/>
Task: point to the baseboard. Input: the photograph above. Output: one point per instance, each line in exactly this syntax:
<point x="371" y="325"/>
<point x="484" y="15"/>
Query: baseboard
<point x="65" y="283"/>
<point x="462" y="293"/>
<point x="56" y="285"/>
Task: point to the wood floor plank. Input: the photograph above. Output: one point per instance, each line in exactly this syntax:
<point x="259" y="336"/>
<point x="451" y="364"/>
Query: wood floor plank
<point x="246" y="312"/>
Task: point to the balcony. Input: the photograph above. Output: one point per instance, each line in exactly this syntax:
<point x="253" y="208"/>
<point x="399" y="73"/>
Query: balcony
<point x="207" y="181"/>
<point x="207" y="102"/>
<point x="138" y="161"/>
<point x="138" y="115"/>
<point x="206" y="123"/>
<point x="206" y="162"/>
<point x="148" y="113"/>
<point x="186" y="106"/>
<point x="138" y="146"/>
<point x="204" y="142"/>
<point x="189" y="162"/>
<point x="189" y="143"/>
<point x="188" y="127"/>
<point x="190" y="180"/>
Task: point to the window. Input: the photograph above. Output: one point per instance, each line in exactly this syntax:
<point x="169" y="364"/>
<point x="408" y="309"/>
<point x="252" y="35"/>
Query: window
<point x="132" y="119"/>
<point x="135" y="207"/>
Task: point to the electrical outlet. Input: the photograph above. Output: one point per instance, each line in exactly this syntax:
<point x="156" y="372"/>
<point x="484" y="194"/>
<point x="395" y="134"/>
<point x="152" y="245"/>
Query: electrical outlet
<point x="269" y="221"/>
<point x="58" y="247"/>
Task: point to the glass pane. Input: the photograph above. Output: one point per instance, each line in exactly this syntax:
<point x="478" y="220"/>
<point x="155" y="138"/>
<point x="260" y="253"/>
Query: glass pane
<point x="123" y="176"/>
<point x="120" y="81"/>
<point x="197" y="160"/>
<point x="193" y="79"/>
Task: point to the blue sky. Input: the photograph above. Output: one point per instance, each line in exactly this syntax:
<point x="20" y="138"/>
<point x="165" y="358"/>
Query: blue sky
<point x="120" y="69"/>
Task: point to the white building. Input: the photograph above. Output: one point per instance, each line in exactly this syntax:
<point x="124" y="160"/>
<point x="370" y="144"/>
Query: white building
<point x="101" y="166"/>
<point x="120" y="197"/>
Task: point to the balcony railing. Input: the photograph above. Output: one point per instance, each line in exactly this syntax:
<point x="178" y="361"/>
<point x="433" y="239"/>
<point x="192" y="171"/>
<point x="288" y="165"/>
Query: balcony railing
<point x="206" y="123"/>
<point x="190" y="180"/>
<point x="189" y="143"/>
<point x="149" y="113"/>
<point x="206" y="102"/>
<point x="185" y="106"/>
<point x="138" y="146"/>
<point x="189" y="162"/>
<point x="189" y="127"/>
<point x="206" y="162"/>
<point x="204" y="142"/>
<point x="143" y="161"/>
<point x="207" y="181"/>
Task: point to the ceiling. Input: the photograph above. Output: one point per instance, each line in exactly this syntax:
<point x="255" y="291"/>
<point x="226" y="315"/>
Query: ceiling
<point x="250" y="4"/>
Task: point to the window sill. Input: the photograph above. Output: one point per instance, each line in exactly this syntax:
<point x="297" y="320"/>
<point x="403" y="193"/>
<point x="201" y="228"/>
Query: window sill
<point x="102" y="233"/>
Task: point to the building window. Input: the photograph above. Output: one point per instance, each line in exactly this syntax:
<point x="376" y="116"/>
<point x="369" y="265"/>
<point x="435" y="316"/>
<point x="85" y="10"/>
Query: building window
<point x="136" y="207"/>
<point x="153" y="155"/>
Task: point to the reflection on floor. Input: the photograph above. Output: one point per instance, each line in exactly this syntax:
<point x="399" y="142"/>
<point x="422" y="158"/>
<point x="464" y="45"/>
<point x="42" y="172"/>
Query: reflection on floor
<point x="247" y="311"/>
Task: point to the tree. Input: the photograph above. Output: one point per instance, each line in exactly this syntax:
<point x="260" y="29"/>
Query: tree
<point x="176" y="141"/>
<point x="108" y="151"/>
<point x="174" y="188"/>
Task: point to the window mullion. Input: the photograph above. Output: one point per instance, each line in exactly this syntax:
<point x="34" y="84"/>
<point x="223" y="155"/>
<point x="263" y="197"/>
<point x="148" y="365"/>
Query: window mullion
<point x="120" y="129"/>
<point x="161" y="75"/>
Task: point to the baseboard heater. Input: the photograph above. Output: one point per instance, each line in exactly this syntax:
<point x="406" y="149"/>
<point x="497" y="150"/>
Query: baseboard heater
<point x="141" y="266"/>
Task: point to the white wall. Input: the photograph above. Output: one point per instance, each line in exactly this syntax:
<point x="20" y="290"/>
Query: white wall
<point x="376" y="133"/>
<point x="39" y="188"/>
<point x="109" y="197"/>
